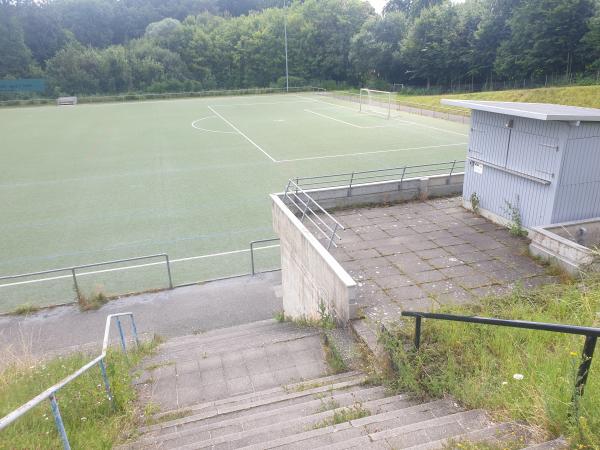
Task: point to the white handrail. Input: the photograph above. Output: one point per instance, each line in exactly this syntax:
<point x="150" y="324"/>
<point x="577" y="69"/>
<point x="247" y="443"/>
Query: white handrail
<point x="48" y="393"/>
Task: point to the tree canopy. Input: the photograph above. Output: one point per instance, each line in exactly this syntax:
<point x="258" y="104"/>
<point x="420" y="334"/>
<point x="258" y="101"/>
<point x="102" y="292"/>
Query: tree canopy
<point x="110" y="46"/>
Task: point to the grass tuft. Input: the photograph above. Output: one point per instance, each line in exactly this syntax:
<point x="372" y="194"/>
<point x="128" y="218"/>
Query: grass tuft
<point x="25" y="310"/>
<point x="333" y="357"/>
<point x="344" y="415"/>
<point x="89" y="419"/>
<point x="477" y="364"/>
<point x="95" y="300"/>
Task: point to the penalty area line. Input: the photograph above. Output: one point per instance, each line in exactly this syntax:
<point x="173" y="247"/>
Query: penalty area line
<point x="349" y="155"/>
<point x="242" y="134"/>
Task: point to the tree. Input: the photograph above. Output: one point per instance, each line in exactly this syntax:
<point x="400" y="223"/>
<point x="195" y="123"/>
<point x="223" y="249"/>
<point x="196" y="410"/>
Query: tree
<point x="544" y="37"/>
<point x="16" y="57"/>
<point x="412" y="8"/>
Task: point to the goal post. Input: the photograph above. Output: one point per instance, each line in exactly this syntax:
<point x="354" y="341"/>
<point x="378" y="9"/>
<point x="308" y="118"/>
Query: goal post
<point x="376" y="102"/>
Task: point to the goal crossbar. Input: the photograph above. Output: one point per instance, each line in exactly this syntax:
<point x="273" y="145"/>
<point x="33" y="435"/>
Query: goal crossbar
<point x="376" y="102"/>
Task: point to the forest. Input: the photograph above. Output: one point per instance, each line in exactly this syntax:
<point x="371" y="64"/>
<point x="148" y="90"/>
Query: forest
<point x="88" y="47"/>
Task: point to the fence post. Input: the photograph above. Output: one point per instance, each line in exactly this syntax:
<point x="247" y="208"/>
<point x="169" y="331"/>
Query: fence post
<point x="134" y="331"/>
<point x="77" y="292"/>
<point x="350" y="185"/>
<point x="123" y="344"/>
<point x="584" y="367"/>
<point x="417" y="332"/>
<point x="252" y="257"/>
<point x="106" y="383"/>
<point x="332" y="236"/>
<point x="59" y="423"/>
<point x="169" y="271"/>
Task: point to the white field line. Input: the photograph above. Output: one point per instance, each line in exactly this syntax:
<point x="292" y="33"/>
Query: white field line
<point x="263" y="103"/>
<point x="136" y="266"/>
<point x="394" y="119"/>
<point x="348" y="155"/>
<point x="242" y="134"/>
<point x="206" y="129"/>
<point x="343" y="121"/>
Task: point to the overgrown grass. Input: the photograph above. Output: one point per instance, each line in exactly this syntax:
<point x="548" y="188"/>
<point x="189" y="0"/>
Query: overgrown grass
<point x="477" y="363"/>
<point x="25" y="309"/>
<point x="95" y="300"/>
<point x="587" y="96"/>
<point x="342" y="415"/>
<point x="333" y="357"/>
<point x="89" y="419"/>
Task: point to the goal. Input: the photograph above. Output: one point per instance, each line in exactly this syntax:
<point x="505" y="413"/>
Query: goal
<point x="376" y="102"/>
<point x="66" y="101"/>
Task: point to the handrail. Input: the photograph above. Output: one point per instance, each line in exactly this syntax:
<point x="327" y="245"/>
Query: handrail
<point x="50" y="393"/>
<point x="591" y="336"/>
<point x="292" y="190"/>
<point x="400" y="173"/>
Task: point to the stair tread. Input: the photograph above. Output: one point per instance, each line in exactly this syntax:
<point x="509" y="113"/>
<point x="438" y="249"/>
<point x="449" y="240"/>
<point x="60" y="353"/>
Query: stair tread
<point x="310" y="406"/>
<point x="272" y="395"/>
<point x="258" y="434"/>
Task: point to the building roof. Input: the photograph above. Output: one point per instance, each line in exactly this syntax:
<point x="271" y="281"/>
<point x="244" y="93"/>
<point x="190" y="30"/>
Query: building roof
<point x="540" y="111"/>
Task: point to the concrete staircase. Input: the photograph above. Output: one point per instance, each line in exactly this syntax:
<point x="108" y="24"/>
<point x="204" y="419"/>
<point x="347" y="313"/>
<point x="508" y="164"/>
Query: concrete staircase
<point x="291" y="409"/>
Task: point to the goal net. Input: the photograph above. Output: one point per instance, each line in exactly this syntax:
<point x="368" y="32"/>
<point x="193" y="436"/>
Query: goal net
<point x="376" y="102"/>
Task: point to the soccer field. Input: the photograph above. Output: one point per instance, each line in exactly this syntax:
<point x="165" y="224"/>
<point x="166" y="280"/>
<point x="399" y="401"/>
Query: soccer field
<point x="189" y="178"/>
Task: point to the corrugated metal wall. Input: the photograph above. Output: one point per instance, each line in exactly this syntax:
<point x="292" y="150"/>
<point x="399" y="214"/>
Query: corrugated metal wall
<point x="521" y="163"/>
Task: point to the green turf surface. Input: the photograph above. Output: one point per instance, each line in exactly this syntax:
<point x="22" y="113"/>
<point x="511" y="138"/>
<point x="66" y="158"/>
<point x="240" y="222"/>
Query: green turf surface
<point x="185" y="177"/>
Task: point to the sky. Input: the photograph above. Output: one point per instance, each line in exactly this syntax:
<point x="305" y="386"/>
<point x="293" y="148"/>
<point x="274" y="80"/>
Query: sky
<point x="378" y="4"/>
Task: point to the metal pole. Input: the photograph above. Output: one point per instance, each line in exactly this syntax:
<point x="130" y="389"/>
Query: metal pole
<point x="350" y="185"/>
<point x="106" y="383"/>
<point x="75" y="284"/>
<point x="134" y="330"/>
<point x="417" y="332"/>
<point x="584" y="367"/>
<point x="59" y="423"/>
<point x="332" y="236"/>
<point x="123" y="344"/>
<point x="252" y="257"/>
<point x="169" y="272"/>
<point x="287" y="74"/>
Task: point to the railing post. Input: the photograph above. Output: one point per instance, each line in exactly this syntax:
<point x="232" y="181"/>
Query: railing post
<point x="452" y="169"/>
<point x="59" y="423"/>
<point x="134" y="331"/>
<point x="106" y="383"/>
<point x="417" y="332"/>
<point x="169" y="271"/>
<point x="350" y="185"/>
<point x="584" y="367"/>
<point x="123" y="344"/>
<point x="252" y="257"/>
<point x="332" y="236"/>
<point x="77" y="292"/>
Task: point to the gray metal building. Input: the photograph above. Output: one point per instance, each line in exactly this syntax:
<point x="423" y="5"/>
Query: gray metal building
<point x="543" y="159"/>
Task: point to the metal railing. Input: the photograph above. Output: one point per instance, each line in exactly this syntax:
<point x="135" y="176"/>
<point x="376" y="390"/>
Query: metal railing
<point x="349" y="179"/>
<point x="591" y="336"/>
<point x="254" y="244"/>
<point x="307" y="208"/>
<point x="50" y="393"/>
<point x="73" y="271"/>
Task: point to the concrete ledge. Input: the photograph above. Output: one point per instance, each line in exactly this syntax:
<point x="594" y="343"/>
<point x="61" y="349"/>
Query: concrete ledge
<point x="568" y="254"/>
<point x="388" y="191"/>
<point x="311" y="277"/>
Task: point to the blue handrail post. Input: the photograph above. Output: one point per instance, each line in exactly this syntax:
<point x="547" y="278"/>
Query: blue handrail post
<point x="134" y="331"/>
<point x="120" y="327"/>
<point x="106" y="383"/>
<point x="59" y="423"/>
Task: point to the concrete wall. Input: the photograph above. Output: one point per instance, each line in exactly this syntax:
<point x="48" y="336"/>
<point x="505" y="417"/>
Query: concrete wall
<point x="388" y="191"/>
<point x="310" y="274"/>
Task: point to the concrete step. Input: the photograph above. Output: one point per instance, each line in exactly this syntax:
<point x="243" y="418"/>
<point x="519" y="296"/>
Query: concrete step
<point x="263" y="400"/>
<point x="254" y="419"/>
<point x="201" y="348"/>
<point x="374" y="424"/>
<point x="494" y="434"/>
<point x="431" y="430"/>
<point x="266" y="428"/>
<point x="555" y="444"/>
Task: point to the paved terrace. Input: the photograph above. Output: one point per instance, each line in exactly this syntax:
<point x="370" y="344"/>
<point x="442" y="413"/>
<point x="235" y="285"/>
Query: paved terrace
<point x="420" y="255"/>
